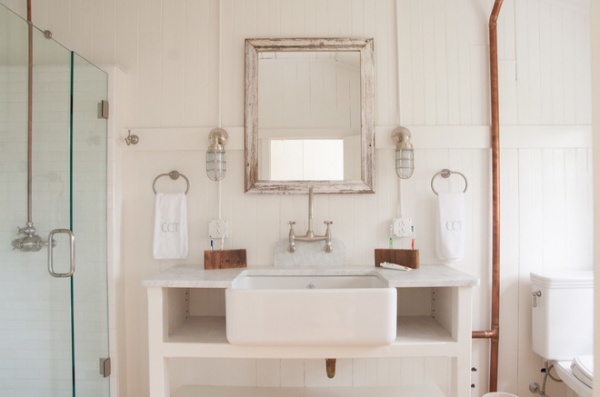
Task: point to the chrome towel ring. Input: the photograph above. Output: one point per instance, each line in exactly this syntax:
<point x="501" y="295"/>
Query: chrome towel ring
<point x="174" y="175"/>
<point x="445" y="173"/>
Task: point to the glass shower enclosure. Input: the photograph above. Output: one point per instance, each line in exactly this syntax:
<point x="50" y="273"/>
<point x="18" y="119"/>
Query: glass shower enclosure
<point x="53" y="324"/>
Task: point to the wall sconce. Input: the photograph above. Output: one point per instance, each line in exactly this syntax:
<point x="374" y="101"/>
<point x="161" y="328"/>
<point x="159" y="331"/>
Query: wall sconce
<point x="215" y="154"/>
<point x="405" y="160"/>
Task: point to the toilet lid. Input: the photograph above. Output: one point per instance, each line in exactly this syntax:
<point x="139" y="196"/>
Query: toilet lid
<point x="583" y="369"/>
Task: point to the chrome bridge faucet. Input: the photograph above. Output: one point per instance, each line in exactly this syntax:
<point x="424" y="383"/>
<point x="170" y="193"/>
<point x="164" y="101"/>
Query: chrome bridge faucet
<point x="310" y="235"/>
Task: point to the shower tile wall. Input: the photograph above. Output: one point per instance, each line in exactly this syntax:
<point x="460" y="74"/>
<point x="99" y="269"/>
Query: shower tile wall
<point x="35" y="331"/>
<point x="35" y="327"/>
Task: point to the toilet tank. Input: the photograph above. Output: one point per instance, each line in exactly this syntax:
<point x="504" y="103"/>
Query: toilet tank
<point x="562" y="314"/>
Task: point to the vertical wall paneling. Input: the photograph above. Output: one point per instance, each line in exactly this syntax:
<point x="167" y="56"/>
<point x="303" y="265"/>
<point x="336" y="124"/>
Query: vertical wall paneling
<point x="149" y="87"/>
<point x="509" y="283"/>
<point x="172" y="57"/>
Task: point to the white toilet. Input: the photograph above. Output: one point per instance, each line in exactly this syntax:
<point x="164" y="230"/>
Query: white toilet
<point x="563" y="325"/>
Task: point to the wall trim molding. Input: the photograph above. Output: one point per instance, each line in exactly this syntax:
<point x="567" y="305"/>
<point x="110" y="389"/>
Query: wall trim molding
<point x="423" y="137"/>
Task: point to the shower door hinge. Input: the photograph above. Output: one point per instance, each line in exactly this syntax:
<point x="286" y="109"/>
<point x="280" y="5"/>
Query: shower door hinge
<point x="103" y="113"/>
<point x="105" y="367"/>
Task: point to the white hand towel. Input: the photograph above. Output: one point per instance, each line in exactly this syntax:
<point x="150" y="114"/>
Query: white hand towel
<point x="450" y="244"/>
<point x="170" y="226"/>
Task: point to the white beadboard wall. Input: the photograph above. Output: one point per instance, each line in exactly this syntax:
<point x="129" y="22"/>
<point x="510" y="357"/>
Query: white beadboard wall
<point x="433" y="79"/>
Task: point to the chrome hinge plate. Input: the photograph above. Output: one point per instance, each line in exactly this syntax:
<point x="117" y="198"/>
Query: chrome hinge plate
<point x="105" y="368"/>
<point x="103" y="109"/>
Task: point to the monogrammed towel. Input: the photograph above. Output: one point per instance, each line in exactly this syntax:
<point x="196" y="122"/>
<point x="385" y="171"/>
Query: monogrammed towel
<point x="450" y="229"/>
<point x="170" y="226"/>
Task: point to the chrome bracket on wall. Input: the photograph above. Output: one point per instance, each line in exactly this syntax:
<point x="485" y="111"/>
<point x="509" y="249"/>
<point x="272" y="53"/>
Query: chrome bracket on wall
<point x="105" y="368"/>
<point x="103" y="110"/>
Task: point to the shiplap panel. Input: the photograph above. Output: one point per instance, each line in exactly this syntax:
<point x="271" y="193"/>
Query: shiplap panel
<point x="379" y="27"/>
<point x="509" y="260"/>
<point x="417" y="74"/>
<point x="441" y="64"/>
<point x="148" y="90"/>
<point x="404" y="62"/>
<point x="530" y="211"/>
<point x="172" y="57"/>
<point x="568" y="55"/>
<point x="104" y="31"/>
<point x="553" y="219"/>
<point x="82" y="27"/>
<point x="582" y="68"/>
<point x="546" y="67"/>
<point x="432" y="79"/>
<point x="578" y="204"/>
<point x="452" y="37"/>
<point x="200" y="64"/>
<point x="55" y="16"/>
<point x="127" y="22"/>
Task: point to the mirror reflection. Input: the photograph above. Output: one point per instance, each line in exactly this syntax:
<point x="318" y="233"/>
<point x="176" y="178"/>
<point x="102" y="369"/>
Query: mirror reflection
<point x="309" y="119"/>
<point x="309" y="107"/>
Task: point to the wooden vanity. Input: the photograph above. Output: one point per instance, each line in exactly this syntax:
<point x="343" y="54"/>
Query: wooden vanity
<point x="186" y="321"/>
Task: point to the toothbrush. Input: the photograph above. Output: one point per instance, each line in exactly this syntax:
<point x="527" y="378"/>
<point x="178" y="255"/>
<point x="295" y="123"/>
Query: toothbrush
<point x="412" y="241"/>
<point x="391" y="236"/>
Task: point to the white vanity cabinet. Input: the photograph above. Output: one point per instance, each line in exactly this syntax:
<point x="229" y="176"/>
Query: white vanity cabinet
<point x="186" y="321"/>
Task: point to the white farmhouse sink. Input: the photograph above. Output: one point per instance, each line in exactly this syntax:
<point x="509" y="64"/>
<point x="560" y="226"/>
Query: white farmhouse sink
<point x="319" y="309"/>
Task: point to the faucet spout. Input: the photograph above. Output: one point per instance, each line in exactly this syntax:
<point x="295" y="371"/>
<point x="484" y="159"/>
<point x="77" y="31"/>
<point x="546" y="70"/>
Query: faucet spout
<point x="310" y="235"/>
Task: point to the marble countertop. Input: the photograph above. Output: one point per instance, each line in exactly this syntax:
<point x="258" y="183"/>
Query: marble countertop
<point x="194" y="276"/>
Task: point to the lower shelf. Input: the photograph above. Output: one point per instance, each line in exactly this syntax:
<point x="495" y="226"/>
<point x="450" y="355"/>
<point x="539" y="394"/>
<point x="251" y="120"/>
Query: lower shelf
<point x="389" y="391"/>
<point x="420" y="336"/>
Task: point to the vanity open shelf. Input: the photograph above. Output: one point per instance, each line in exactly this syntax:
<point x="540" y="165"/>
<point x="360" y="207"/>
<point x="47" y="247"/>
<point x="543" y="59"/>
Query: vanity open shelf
<point x="187" y="321"/>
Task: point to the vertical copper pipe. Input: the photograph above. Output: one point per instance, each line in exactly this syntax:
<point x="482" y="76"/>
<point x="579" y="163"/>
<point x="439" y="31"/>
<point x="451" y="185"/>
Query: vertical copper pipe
<point x="495" y="131"/>
<point x="494" y="333"/>
<point x="29" y="114"/>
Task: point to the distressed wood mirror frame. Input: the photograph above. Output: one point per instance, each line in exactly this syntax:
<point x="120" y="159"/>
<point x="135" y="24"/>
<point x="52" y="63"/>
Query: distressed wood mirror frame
<point x="251" y="117"/>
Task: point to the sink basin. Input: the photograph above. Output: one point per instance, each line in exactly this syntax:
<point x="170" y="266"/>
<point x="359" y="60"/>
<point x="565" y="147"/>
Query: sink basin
<point x="310" y="309"/>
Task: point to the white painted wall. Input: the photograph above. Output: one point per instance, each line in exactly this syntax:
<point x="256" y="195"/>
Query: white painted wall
<point x="434" y="80"/>
<point x="596" y="152"/>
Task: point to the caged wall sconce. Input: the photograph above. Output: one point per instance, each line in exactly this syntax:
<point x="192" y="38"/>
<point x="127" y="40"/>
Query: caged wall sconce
<point x="405" y="161"/>
<point x="215" y="154"/>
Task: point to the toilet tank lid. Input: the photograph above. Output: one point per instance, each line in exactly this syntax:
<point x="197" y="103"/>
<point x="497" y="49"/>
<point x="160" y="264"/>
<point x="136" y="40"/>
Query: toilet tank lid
<point x="564" y="279"/>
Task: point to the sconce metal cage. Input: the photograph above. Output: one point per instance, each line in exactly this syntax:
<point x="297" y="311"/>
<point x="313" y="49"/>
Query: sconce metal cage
<point x="405" y="160"/>
<point x="216" y="166"/>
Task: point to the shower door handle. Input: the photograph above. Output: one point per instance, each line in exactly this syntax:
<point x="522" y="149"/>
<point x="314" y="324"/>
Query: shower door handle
<point x="51" y="245"/>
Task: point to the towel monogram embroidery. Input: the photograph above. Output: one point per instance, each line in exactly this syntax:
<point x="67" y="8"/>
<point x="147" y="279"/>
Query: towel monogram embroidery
<point x="453" y="226"/>
<point x="170" y="227"/>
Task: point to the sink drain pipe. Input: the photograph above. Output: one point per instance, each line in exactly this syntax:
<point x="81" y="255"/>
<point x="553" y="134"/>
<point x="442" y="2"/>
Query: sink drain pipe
<point x="330" y="367"/>
<point x="494" y="333"/>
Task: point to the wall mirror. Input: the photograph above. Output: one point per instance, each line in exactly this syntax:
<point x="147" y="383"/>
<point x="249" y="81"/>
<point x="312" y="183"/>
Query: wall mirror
<point x="309" y="115"/>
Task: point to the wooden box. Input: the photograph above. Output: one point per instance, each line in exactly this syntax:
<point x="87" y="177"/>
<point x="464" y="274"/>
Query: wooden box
<point x="409" y="258"/>
<point x="224" y="259"/>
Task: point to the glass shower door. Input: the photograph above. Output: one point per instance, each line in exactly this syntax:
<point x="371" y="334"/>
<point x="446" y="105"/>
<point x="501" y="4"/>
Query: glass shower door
<point x="53" y="330"/>
<point x="90" y="300"/>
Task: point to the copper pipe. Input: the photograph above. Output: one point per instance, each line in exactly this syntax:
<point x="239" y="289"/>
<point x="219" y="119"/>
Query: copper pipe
<point x="494" y="333"/>
<point x="330" y="367"/>
<point x="29" y="114"/>
<point x="484" y="334"/>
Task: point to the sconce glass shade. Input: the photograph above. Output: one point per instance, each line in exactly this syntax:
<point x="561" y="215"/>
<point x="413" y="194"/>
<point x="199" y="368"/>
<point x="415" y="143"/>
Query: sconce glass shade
<point x="405" y="160"/>
<point x="215" y="154"/>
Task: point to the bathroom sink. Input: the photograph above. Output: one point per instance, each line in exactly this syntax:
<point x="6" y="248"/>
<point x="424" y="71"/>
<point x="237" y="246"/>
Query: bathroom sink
<point x="310" y="309"/>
